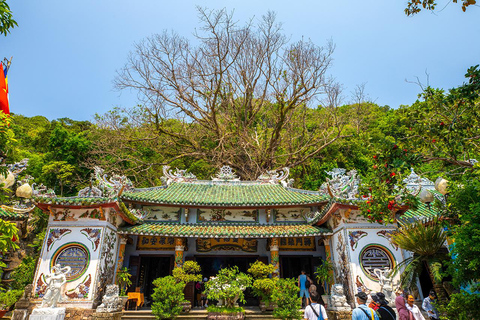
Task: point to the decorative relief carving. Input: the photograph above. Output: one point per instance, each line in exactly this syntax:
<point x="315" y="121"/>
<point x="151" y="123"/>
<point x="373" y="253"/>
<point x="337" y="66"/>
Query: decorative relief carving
<point x="81" y="290"/>
<point x="375" y="257"/>
<point x="387" y="234"/>
<point x="74" y="255"/>
<point x="93" y="235"/>
<point x="219" y="244"/>
<point x="178" y="176"/>
<point x="239" y="215"/>
<point x="355" y="236"/>
<point x="275" y="176"/>
<point x="343" y="185"/>
<point x="226" y="173"/>
<point x="54" y="235"/>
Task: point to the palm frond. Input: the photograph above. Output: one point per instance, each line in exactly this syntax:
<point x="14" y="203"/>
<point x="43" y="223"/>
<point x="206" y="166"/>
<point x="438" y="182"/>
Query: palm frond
<point x="422" y="239"/>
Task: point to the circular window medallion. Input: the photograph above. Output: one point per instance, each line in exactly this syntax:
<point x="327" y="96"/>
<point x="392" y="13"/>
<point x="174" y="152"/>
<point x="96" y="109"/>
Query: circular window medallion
<point x="375" y="257"/>
<point x="75" y="255"/>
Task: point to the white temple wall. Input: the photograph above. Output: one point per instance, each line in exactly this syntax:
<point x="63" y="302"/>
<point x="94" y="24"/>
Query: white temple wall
<point x="88" y="245"/>
<point x="360" y="247"/>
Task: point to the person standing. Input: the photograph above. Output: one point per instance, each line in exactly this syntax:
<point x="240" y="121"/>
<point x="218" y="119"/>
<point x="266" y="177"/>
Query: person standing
<point x="315" y="310"/>
<point x="428" y="305"/>
<point x="302" y="280"/>
<point x="417" y="314"/>
<point x="362" y="312"/>
<point x="384" y="311"/>
<point x="403" y="312"/>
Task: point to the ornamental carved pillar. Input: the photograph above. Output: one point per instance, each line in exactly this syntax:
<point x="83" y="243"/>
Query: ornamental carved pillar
<point x="121" y="252"/>
<point x="329" y="256"/>
<point x="274" y="257"/>
<point x="179" y="248"/>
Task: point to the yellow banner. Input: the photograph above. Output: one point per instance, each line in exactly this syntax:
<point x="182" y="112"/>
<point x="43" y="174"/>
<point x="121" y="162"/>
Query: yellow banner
<point x="220" y="244"/>
<point x="295" y="244"/>
<point x="155" y="243"/>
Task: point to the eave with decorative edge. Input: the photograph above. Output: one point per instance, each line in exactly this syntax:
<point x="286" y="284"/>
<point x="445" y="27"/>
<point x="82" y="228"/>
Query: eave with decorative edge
<point x="12" y="214"/>
<point x="46" y="203"/>
<point x="221" y="230"/>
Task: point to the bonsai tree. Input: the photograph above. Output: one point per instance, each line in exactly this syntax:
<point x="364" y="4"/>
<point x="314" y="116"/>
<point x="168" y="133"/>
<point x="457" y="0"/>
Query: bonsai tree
<point x="167" y="297"/>
<point x="324" y="274"/>
<point x="263" y="286"/>
<point x="228" y="286"/>
<point x="190" y="271"/>
<point x="285" y="296"/>
<point x="123" y="280"/>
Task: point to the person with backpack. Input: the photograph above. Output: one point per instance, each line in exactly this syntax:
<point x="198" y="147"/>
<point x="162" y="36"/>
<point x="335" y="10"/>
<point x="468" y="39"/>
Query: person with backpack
<point x="384" y="311"/>
<point x="315" y="311"/>
<point x="304" y="283"/>
<point x="362" y="312"/>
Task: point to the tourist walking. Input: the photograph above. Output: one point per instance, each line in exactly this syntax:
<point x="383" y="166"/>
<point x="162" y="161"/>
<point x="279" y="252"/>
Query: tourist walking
<point x="362" y="312"/>
<point x="428" y="305"/>
<point x="417" y="314"/>
<point x="403" y="312"/>
<point x="384" y="311"/>
<point x="315" y="311"/>
<point x="302" y="283"/>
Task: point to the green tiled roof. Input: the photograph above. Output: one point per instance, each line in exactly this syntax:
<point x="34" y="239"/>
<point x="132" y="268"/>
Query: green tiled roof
<point x="74" y="201"/>
<point x="226" y="194"/>
<point x="218" y="230"/>
<point x="423" y="212"/>
<point x="7" y="214"/>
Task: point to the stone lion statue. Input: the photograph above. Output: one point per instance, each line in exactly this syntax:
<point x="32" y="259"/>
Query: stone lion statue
<point x="110" y="301"/>
<point x="338" y="301"/>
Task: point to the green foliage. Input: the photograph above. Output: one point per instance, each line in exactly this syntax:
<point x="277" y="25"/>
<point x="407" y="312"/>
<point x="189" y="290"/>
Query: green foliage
<point x="462" y="306"/>
<point x="324" y="273"/>
<point x="9" y="298"/>
<point x="425" y="242"/>
<point x="24" y="273"/>
<point x="190" y="271"/>
<point x="384" y="190"/>
<point x="227" y="285"/>
<point x="123" y="280"/>
<point x="60" y="171"/>
<point x="464" y="217"/>
<point x="415" y="6"/>
<point x="167" y="297"/>
<point x="38" y="241"/>
<point x="287" y="300"/>
<point x="263" y="286"/>
<point x="225" y="309"/>
<point x="8" y="237"/>
<point x="6" y="18"/>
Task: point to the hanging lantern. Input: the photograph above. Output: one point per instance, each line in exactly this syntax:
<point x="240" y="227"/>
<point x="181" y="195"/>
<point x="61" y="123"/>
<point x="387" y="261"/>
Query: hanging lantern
<point x="426" y="196"/>
<point x="7" y="181"/>
<point x="441" y="185"/>
<point x="24" y="191"/>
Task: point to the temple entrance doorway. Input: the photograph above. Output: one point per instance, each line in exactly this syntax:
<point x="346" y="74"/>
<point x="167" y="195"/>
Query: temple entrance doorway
<point x="212" y="264"/>
<point x="151" y="268"/>
<point x="291" y="266"/>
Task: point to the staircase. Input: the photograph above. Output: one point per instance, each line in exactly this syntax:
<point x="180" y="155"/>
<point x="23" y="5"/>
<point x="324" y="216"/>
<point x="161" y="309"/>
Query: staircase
<point x="251" y="313"/>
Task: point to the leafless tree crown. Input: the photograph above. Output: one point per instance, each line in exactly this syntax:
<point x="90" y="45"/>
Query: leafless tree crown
<point x="242" y="95"/>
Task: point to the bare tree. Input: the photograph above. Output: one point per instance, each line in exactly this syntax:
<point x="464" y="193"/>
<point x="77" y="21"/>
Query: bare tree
<point x="236" y="95"/>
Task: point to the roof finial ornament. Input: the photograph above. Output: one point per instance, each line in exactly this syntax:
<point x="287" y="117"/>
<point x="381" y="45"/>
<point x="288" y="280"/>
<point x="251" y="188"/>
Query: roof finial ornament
<point x="275" y="176"/>
<point x="178" y="175"/>
<point x="226" y="173"/>
<point x="112" y="186"/>
<point x="342" y="185"/>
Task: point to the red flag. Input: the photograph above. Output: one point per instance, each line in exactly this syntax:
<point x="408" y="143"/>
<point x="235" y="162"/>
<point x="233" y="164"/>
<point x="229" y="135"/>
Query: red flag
<point x="4" y="89"/>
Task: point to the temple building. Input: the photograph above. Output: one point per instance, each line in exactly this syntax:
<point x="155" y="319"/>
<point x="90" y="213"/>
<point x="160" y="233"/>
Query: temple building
<point x="218" y="223"/>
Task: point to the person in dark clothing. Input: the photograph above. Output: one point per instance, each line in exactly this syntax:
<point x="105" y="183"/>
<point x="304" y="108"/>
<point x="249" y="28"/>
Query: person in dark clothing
<point x="384" y="311"/>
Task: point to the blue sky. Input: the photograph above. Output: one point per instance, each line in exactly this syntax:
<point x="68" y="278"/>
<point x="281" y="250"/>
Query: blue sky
<point x="65" y="53"/>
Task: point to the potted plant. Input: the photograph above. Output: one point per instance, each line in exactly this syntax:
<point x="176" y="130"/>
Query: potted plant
<point x="324" y="276"/>
<point x="227" y="288"/>
<point x="8" y="299"/>
<point x="263" y="285"/>
<point x="188" y="272"/>
<point x="123" y="281"/>
<point x="285" y="296"/>
<point x="167" y="297"/>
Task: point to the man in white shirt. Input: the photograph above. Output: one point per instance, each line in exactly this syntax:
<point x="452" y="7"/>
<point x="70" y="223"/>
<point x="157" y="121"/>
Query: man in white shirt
<point x="315" y="310"/>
